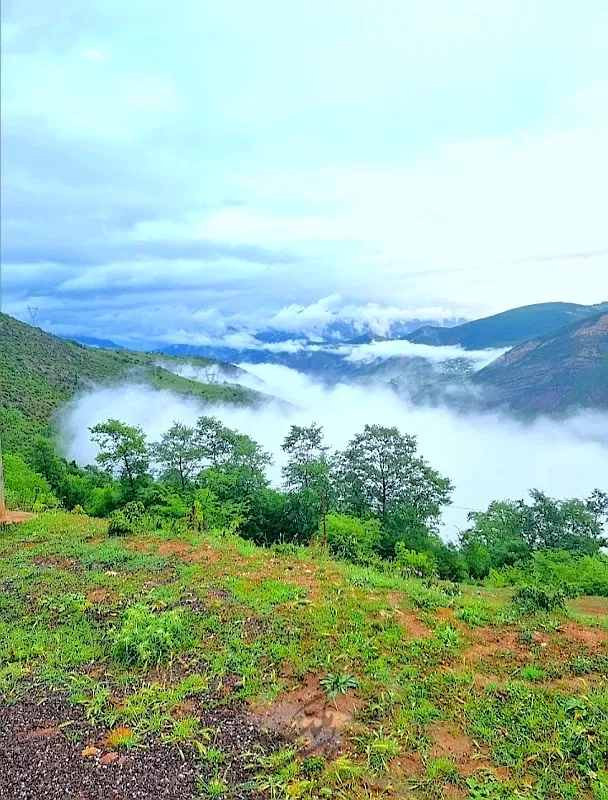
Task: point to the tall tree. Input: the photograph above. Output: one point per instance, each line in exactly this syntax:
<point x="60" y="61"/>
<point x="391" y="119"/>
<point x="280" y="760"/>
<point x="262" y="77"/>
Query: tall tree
<point x="178" y="451"/>
<point x="214" y="441"/>
<point x="123" y="449"/>
<point x="307" y="462"/>
<point x="380" y="471"/>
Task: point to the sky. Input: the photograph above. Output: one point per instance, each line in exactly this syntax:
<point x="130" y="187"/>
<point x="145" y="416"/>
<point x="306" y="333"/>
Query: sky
<point x="174" y="171"/>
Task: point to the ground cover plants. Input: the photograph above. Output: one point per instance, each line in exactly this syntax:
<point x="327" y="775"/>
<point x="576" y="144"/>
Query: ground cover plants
<point x="196" y="664"/>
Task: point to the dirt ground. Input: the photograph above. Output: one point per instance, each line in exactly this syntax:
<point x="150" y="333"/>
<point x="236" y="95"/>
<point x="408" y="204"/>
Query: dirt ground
<point x="49" y="751"/>
<point x="13" y="517"/>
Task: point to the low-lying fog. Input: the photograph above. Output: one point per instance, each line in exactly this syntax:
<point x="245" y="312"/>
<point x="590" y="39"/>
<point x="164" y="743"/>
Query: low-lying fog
<point x="488" y="457"/>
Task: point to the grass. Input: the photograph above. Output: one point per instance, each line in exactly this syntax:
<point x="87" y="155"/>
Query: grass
<point x="149" y="643"/>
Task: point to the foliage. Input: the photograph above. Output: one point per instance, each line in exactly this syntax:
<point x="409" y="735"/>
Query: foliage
<point x="177" y="453"/>
<point x="380" y="470"/>
<point x="127" y="519"/>
<point x="307" y="462"/>
<point x="350" y="538"/>
<point x="411" y="563"/>
<point x="25" y="488"/>
<point x="509" y="532"/>
<point x="123" y="449"/>
<point x="146" y="639"/>
<point x="532" y="599"/>
<point x="336" y="683"/>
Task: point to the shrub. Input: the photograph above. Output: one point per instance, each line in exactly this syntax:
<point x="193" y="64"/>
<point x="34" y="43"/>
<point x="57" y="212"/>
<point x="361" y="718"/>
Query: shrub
<point x="411" y="563"/>
<point x="146" y="639"/>
<point x="531" y="599"/>
<point x="127" y="519"/>
<point x="351" y="539"/>
<point x="25" y="488"/>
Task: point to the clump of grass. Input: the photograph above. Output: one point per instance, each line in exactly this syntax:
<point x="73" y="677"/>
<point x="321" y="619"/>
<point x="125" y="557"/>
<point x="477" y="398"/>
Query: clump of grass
<point x="380" y="748"/>
<point x="147" y="639"/>
<point x="532" y="673"/>
<point x="338" y="683"/>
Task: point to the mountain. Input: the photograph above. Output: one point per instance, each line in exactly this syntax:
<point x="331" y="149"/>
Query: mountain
<point x="40" y="372"/>
<point x="506" y="329"/>
<point x="561" y="371"/>
<point x="92" y="341"/>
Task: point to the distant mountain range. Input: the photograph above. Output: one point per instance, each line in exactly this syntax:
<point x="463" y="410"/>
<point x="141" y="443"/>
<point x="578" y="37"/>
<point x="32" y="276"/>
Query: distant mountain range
<point x="506" y="329"/>
<point x="559" y="362"/>
<point x="563" y="370"/>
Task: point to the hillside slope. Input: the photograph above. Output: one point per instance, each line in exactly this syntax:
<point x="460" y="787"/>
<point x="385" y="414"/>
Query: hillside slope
<point x="39" y="372"/>
<point x="554" y="373"/>
<point x="185" y="665"/>
<point x="508" y="328"/>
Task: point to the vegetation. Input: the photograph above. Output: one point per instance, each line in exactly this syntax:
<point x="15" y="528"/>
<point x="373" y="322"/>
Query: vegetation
<point x="161" y="636"/>
<point x="315" y="641"/>
<point x="40" y="372"/>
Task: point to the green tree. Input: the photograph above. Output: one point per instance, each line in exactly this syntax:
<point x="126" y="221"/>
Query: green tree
<point x="122" y="448"/>
<point x="307" y="462"/>
<point x="380" y="470"/>
<point x="178" y="452"/>
<point x="214" y="441"/>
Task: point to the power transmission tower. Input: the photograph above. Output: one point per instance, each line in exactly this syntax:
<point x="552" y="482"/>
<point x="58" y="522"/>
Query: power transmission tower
<point x="33" y="312"/>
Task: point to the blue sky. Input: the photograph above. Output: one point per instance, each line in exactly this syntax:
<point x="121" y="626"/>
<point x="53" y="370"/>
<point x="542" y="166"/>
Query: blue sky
<point x="171" y="171"/>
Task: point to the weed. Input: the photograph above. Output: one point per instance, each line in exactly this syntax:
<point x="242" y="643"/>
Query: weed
<point x="532" y="599"/>
<point x="379" y="748"/>
<point x="122" y="738"/>
<point x="335" y="684"/>
<point x="146" y="639"/>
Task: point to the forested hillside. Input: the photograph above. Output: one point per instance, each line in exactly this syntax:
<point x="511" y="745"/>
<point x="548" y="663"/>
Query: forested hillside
<point x="39" y="372"/>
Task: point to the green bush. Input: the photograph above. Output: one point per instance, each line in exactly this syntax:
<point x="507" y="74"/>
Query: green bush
<point x="351" y="539"/>
<point x="413" y="564"/>
<point x="127" y="519"/>
<point x="146" y="638"/>
<point x="532" y="599"/>
<point x="25" y="488"/>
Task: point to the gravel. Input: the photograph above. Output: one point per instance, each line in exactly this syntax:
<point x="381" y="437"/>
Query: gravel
<point x="41" y="756"/>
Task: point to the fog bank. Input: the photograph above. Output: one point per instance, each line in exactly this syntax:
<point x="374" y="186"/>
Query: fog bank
<point x="488" y="457"/>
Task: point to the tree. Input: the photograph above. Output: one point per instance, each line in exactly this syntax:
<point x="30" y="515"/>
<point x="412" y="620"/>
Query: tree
<point x="213" y="440"/>
<point x="307" y="465"/>
<point x="122" y="449"/>
<point x="230" y="452"/>
<point x="380" y="471"/>
<point x="509" y="532"/>
<point x="179" y="452"/>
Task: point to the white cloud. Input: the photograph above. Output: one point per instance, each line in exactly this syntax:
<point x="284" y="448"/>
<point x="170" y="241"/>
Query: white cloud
<point x="486" y="456"/>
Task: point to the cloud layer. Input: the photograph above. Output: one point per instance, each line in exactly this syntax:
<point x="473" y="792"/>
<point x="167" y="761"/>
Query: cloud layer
<point x="282" y="166"/>
<point x="487" y="457"/>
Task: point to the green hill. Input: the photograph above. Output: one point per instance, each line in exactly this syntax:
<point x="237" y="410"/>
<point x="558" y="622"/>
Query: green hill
<point x="40" y="372"/>
<point x="554" y="373"/>
<point x="508" y="328"/>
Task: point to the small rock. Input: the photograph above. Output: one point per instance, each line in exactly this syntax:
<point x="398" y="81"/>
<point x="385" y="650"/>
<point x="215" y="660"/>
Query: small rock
<point x="90" y="752"/>
<point x="108" y="759"/>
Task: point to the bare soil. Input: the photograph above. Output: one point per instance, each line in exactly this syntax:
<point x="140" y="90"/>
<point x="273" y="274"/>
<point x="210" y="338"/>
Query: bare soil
<point x="48" y="751"/>
<point x="306" y="712"/>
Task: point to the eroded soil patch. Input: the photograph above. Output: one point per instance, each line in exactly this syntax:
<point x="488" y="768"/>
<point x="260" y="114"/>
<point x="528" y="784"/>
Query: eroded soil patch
<point x="307" y="712"/>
